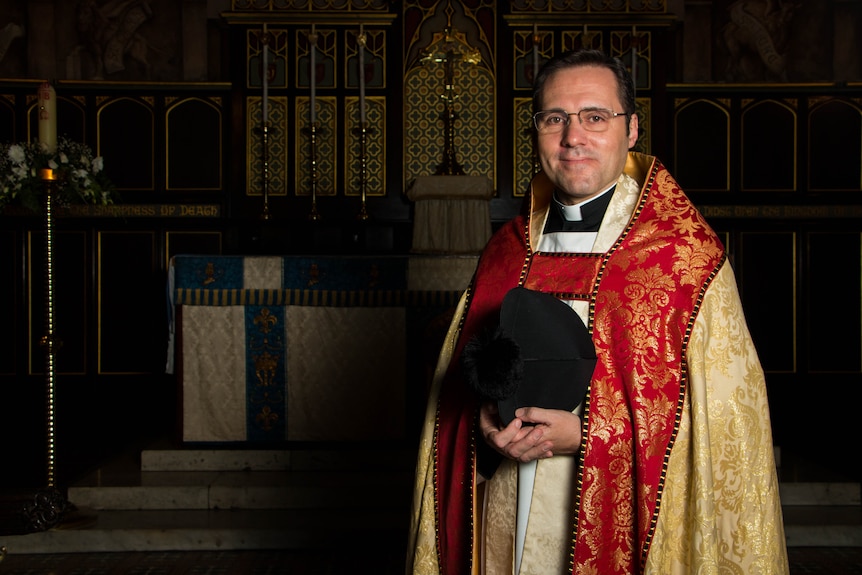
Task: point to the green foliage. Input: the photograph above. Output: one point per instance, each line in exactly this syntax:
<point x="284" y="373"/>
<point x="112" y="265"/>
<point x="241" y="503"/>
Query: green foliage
<point x="80" y="176"/>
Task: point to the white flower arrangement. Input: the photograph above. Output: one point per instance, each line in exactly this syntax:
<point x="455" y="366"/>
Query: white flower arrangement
<point x="80" y="176"/>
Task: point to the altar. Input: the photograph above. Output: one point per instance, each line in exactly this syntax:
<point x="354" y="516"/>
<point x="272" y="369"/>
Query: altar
<point x="452" y="214"/>
<point x="317" y="348"/>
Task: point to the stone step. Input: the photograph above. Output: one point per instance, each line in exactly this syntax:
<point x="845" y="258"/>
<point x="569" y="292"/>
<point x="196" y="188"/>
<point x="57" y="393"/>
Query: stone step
<point x="185" y="500"/>
<point x="88" y="530"/>
<point x="822" y="514"/>
<point x="303" y="489"/>
<point x="250" y="479"/>
<point x="823" y="526"/>
<point x="276" y="460"/>
<point x="798" y="493"/>
<point x="273" y="499"/>
<point x="248" y="490"/>
<point x="311" y="528"/>
<point x="211" y="530"/>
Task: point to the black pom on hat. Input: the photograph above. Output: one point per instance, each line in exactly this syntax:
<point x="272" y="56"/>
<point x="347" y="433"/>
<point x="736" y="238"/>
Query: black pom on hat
<point x="542" y="355"/>
<point x="492" y="365"/>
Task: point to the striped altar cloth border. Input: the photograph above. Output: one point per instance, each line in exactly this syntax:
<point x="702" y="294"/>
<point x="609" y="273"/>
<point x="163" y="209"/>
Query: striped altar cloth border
<point x="305" y="297"/>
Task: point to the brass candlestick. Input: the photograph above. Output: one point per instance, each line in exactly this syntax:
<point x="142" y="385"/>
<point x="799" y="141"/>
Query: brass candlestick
<point x="363" y="170"/>
<point x="49" y="505"/>
<point x="313" y="214"/>
<point x="450" y="165"/>
<point x="48" y="342"/>
<point x="534" y="155"/>
<point x="265" y="215"/>
<point x="447" y="48"/>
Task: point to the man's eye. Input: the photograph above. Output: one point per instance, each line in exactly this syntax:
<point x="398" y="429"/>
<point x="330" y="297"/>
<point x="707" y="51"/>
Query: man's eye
<point x="595" y="118"/>
<point x="555" y="119"/>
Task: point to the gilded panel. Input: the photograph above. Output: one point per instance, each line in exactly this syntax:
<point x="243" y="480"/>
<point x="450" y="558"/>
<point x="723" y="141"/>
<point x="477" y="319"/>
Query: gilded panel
<point x="585" y="38"/>
<point x="438" y="23"/>
<point x="588" y="6"/>
<point x="312" y="5"/>
<point x="325" y="57"/>
<point x="643" y="108"/>
<point x="276" y="58"/>
<point x="324" y="147"/>
<point x="375" y="147"/>
<point x="524" y="158"/>
<point x="449" y="63"/>
<point x="277" y="157"/>
<point x="424" y="121"/>
<point x="530" y="51"/>
<point x="374" y="58"/>
<point x="635" y="49"/>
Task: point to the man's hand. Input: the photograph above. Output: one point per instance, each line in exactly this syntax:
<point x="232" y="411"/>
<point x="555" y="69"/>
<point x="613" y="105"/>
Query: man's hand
<point x="554" y="431"/>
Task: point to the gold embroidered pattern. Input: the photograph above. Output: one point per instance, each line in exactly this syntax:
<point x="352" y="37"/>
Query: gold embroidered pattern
<point x="641" y="317"/>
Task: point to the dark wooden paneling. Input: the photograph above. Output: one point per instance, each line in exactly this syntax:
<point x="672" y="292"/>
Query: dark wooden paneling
<point x="834" y="265"/>
<point x="70" y="295"/>
<point x="767" y="273"/>
<point x="71" y="121"/>
<point x="835" y="144"/>
<point x="132" y="314"/>
<point x="192" y="242"/>
<point x="126" y="141"/>
<point x="769" y="147"/>
<point x="8" y="302"/>
<point x="702" y="132"/>
<point x="7" y="121"/>
<point x="194" y="146"/>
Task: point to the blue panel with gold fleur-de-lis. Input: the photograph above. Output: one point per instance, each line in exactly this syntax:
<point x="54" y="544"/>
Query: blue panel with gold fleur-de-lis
<point x="266" y="373"/>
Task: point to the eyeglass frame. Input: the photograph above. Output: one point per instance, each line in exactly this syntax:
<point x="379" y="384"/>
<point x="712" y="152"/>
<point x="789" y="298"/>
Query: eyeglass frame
<point x="580" y="120"/>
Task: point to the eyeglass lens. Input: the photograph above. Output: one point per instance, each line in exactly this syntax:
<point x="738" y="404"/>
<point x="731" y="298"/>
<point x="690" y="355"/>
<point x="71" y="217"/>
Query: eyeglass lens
<point x="592" y="119"/>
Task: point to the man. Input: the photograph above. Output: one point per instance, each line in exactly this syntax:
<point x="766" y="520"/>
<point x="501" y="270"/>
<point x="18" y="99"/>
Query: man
<point x="667" y="465"/>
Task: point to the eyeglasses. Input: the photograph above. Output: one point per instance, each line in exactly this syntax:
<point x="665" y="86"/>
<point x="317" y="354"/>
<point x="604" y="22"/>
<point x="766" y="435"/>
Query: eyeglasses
<point x="592" y="119"/>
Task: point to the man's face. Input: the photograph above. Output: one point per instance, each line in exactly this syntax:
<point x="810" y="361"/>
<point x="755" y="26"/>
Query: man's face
<point x="582" y="163"/>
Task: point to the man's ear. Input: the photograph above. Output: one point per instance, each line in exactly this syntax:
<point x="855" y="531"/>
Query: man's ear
<point x="633" y="130"/>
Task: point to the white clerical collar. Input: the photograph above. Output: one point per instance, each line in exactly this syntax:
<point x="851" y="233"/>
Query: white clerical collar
<point x="573" y="213"/>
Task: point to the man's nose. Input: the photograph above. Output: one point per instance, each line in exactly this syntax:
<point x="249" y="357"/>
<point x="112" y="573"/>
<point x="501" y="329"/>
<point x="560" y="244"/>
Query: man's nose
<point x="573" y="132"/>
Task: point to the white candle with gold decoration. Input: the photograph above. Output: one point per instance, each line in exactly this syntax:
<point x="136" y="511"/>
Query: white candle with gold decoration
<point x="48" y="117"/>
<point x="312" y="41"/>
<point x="361" y="40"/>
<point x="265" y="72"/>
<point x="535" y="51"/>
<point x="635" y="56"/>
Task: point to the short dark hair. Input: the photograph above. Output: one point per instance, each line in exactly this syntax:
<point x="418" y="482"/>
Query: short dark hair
<point x="594" y="58"/>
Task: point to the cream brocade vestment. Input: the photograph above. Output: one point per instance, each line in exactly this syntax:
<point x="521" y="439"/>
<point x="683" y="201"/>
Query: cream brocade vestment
<point x="718" y="506"/>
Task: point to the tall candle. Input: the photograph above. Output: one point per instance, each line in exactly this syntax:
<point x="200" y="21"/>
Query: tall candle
<point x="312" y="40"/>
<point x="634" y="56"/>
<point x="361" y="40"/>
<point x="265" y="76"/>
<point x="47" y="117"/>
<point x="535" y="50"/>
